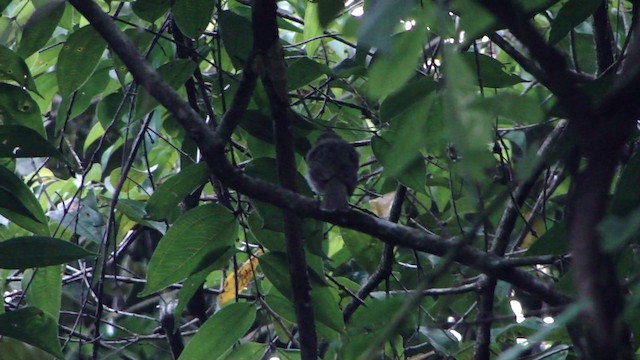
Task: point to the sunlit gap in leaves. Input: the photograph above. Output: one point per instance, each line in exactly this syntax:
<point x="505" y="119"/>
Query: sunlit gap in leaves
<point x="357" y="11"/>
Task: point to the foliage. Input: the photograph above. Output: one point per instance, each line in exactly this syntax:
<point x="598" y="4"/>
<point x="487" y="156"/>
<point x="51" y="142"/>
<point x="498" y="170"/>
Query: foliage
<point x="472" y="187"/>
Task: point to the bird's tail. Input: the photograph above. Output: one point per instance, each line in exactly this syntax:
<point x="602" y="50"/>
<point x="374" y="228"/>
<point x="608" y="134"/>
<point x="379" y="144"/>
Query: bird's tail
<point x="335" y="196"/>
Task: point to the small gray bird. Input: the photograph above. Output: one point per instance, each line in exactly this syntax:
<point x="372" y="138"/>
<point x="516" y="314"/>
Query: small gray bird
<point x="333" y="171"/>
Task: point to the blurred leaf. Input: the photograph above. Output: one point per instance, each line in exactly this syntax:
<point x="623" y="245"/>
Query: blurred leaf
<point x="40" y="26"/>
<point x="412" y="93"/>
<point x="491" y="71"/>
<point x="38" y="251"/>
<point x="199" y="232"/>
<point x="365" y="249"/>
<point x="18" y="108"/>
<point x="617" y="231"/>
<point x="22" y="142"/>
<point x="216" y="335"/>
<point x="78" y="59"/>
<point x="328" y="10"/>
<point x="237" y="37"/>
<point x="275" y="267"/>
<point x="26" y="211"/>
<point x="45" y="289"/>
<point x="248" y="351"/>
<point x="173" y="191"/>
<point x="95" y="85"/>
<point x="175" y="73"/>
<point x="32" y="326"/>
<point x="312" y="27"/>
<point x="381" y="19"/>
<point x="303" y="71"/>
<point x="12" y="67"/>
<point x="151" y="10"/>
<point x="552" y="242"/>
<point x="626" y="196"/>
<point x="192" y="16"/>
<point x="572" y="13"/>
<point x="392" y="70"/>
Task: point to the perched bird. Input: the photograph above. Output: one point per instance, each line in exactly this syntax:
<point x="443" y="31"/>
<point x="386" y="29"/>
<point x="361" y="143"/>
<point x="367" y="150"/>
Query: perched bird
<point x="333" y="171"/>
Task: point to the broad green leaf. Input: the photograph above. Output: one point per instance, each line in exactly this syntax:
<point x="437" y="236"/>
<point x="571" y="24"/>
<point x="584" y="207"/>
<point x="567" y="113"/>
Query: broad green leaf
<point x="199" y="232"/>
<point x="303" y="71"/>
<point x="381" y="19"/>
<point x="38" y="251"/>
<point x="32" y="326"/>
<point x="173" y="191"/>
<point x="12" y="67"/>
<point x="22" y="142"/>
<point x="275" y="267"/>
<point x="312" y="28"/>
<point x="36" y="221"/>
<point x="151" y="10"/>
<point x="18" y="108"/>
<point x="491" y="71"/>
<point x="237" y="37"/>
<point x="328" y="10"/>
<point x="198" y="277"/>
<point x="175" y="73"/>
<point x="572" y="13"/>
<point x="627" y="196"/>
<point x="473" y="143"/>
<point x="220" y="332"/>
<point x="248" y="351"/>
<point x="135" y="211"/>
<point x="95" y="85"/>
<point x="78" y="59"/>
<point x="40" y="26"/>
<point x="365" y="249"/>
<point x="552" y="242"/>
<point x="393" y="69"/>
<point x="83" y="219"/>
<point x="192" y="16"/>
<point x="406" y="97"/>
<point x="326" y="309"/>
<point x="44" y="291"/>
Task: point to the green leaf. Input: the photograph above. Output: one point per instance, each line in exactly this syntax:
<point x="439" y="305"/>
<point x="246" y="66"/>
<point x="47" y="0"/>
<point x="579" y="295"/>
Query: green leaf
<point x="18" y="108"/>
<point x="175" y="73"/>
<point x="312" y="28"/>
<point x="27" y="203"/>
<point x="216" y="335"/>
<point x="627" y="196"/>
<point x="38" y="251"/>
<point x="381" y="19"/>
<point x="491" y="71"/>
<point x="95" y="85"/>
<point x="22" y="142"/>
<point x="192" y="16"/>
<point x="276" y="268"/>
<point x="365" y="249"/>
<point x="135" y="210"/>
<point x="237" y="37"/>
<point x="303" y="71"/>
<point x="552" y="242"/>
<point x="32" y="326"/>
<point x="572" y="13"/>
<point x="248" y="351"/>
<point x="392" y="70"/>
<point x="12" y="67"/>
<point x="151" y="10"/>
<point x="78" y="59"/>
<point x="198" y="277"/>
<point x="406" y="97"/>
<point x="326" y="309"/>
<point x="44" y="291"/>
<point x="173" y="191"/>
<point x="199" y="232"/>
<point x="328" y="10"/>
<point x="40" y="26"/>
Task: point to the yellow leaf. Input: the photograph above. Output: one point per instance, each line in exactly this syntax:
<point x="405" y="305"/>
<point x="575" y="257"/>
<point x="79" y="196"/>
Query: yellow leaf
<point x="244" y="276"/>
